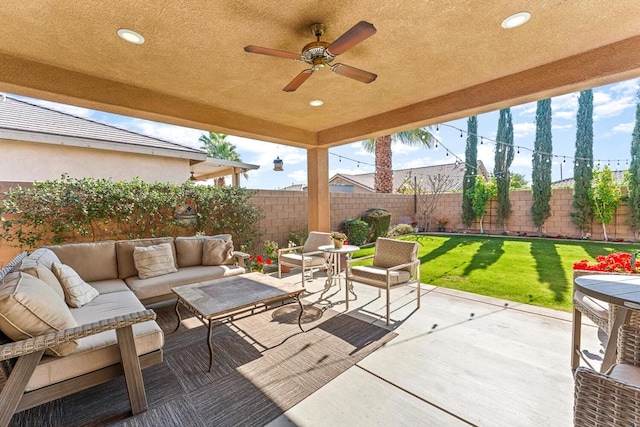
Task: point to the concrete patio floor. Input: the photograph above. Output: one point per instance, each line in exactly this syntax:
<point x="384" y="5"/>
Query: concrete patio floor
<point x="461" y="359"/>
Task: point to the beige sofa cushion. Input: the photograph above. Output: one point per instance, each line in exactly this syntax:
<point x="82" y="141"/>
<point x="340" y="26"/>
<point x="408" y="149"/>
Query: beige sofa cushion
<point x="124" y="253"/>
<point x="161" y="285"/>
<point x="93" y="261"/>
<point x="46" y="275"/>
<point x="99" y="350"/>
<point x="217" y="252"/>
<point x="154" y="260"/>
<point x="189" y="249"/>
<point x="29" y="308"/>
<point x="77" y="292"/>
<point x="111" y="285"/>
<point x="41" y="256"/>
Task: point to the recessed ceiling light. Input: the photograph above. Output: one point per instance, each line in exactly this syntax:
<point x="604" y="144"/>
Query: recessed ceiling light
<point x="316" y="103"/>
<point x="130" y="36"/>
<point x="516" y="20"/>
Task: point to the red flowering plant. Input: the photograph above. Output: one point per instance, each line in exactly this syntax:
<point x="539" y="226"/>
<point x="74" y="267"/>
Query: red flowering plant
<point x="257" y="262"/>
<point x="617" y="262"/>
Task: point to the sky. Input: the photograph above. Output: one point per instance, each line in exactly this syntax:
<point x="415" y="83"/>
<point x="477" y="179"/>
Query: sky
<point x="613" y="114"/>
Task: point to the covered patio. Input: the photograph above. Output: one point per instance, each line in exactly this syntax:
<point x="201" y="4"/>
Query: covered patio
<point x="462" y="359"/>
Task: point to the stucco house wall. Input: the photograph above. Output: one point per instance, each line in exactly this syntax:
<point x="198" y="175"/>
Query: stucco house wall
<point x="39" y="162"/>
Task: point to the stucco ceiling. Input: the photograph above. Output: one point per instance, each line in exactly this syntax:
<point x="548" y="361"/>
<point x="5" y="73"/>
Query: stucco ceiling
<point x="435" y="60"/>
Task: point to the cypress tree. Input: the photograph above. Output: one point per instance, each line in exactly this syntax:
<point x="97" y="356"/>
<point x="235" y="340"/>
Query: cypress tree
<point x="471" y="170"/>
<point x="541" y="172"/>
<point x="503" y="159"/>
<point x="633" y="176"/>
<point x="583" y="166"/>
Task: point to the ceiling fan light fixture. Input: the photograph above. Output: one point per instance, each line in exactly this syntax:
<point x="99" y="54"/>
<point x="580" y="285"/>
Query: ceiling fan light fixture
<point x="516" y="20"/>
<point x="316" y="103"/>
<point x="130" y="36"/>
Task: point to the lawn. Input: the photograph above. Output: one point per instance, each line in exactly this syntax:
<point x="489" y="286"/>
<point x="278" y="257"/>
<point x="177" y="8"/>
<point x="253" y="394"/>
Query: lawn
<point x="532" y="271"/>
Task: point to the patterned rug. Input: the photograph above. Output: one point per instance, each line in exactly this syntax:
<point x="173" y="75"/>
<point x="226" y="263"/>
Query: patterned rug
<point x="263" y="365"/>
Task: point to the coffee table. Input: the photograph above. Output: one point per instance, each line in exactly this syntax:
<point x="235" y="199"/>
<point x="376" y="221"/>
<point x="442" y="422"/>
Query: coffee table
<point x="215" y="302"/>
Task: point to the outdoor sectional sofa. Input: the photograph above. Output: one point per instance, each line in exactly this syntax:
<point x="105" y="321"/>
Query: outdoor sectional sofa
<point x="78" y="347"/>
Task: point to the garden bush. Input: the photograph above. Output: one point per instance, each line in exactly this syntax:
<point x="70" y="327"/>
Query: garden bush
<point x="379" y="220"/>
<point x="356" y="230"/>
<point x="401" y="230"/>
<point x="92" y="209"/>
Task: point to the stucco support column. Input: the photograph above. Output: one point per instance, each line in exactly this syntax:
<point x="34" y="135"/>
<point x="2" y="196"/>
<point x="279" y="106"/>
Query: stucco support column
<point x="318" y="210"/>
<point x="235" y="178"/>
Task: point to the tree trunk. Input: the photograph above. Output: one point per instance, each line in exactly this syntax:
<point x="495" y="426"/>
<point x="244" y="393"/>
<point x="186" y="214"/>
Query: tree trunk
<point x="604" y="230"/>
<point x="220" y="182"/>
<point x="481" y="230"/>
<point x="384" y="175"/>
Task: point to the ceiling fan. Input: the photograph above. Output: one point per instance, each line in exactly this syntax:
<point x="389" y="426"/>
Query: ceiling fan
<point x="320" y="54"/>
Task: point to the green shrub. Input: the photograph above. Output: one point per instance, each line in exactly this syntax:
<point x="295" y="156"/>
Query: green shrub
<point x="91" y="209"/>
<point x="401" y="230"/>
<point x="379" y="220"/>
<point x="356" y="231"/>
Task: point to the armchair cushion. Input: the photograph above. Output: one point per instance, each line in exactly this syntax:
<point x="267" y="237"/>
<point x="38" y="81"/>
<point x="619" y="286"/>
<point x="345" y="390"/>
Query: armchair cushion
<point x="378" y="276"/>
<point x="630" y="374"/>
<point x="316" y="260"/>
<point x="315" y="239"/>
<point x="29" y="308"/>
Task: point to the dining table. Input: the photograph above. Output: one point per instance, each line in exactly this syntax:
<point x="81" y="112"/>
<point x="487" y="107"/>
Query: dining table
<point x="619" y="290"/>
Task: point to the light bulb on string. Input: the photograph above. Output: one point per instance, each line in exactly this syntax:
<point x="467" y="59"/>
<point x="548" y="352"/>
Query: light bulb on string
<point x="564" y="160"/>
<point x="358" y="165"/>
<point x="460" y="134"/>
<point x="437" y="128"/>
<point x="481" y="140"/>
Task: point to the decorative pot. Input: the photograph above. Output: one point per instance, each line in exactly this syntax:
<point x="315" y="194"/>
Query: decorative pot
<point x="285" y="268"/>
<point x="337" y="244"/>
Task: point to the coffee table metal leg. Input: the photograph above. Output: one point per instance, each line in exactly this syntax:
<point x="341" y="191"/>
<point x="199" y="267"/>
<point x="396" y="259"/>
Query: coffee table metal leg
<point x="210" y="346"/>
<point x="178" y="314"/>
<point x="301" y="312"/>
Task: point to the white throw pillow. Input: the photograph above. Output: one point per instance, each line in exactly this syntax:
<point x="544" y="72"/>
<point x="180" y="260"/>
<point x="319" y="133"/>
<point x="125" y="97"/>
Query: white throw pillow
<point x="154" y="260"/>
<point x="77" y="292"/>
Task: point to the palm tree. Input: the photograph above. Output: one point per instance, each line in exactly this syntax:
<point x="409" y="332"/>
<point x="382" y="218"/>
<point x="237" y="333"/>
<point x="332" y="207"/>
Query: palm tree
<point x="381" y="146"/>
<point x="218" y="147"/>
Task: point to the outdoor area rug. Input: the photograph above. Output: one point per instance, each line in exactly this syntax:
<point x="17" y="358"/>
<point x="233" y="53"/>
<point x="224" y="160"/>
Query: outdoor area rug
<point x="263" y="365"/>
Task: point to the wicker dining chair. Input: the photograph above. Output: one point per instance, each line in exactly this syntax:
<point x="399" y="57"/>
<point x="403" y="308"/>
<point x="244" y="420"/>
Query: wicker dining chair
<point x="612" y="398"/>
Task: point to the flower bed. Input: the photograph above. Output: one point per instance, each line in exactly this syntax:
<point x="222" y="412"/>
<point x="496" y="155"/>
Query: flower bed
<point x="617" y="262"/>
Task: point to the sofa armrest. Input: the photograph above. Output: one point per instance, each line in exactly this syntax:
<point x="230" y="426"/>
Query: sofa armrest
<point x="241" y="258"/>
<point x="42" y="342"/>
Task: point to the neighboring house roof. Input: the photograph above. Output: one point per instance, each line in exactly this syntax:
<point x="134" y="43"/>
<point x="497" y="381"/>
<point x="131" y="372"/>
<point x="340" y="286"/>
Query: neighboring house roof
<point x="455" y="171"/>
<point x="295" y="187"/>
<point x="24" y="121"/>
<point x="569" y="182"/>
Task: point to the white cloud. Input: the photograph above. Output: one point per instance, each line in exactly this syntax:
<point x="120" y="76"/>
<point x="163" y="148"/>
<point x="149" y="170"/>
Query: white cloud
<point x="613" y="108"/>
<point x="526" y="110"/>
<point x="299" y="176"/>
<point x="600" y="97"/>
<point x="624" y="127"/>
<point x="559" y="127"/>
<point x="627" y="87"/>
<point x="171" y="133"/>
<point x="523" y="129"/>
<point x="564" y="115"/>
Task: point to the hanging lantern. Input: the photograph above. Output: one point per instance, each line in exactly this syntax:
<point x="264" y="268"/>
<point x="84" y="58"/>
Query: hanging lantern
<point x="277" y="164"/>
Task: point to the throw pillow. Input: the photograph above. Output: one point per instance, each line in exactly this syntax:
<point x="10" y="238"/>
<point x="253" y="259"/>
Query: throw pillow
<point x="154" y="260"/>
<point x="47" y="276"/>
<point x="217" y="252"/>
<point x="29" y="308"/>
<point x="77" y="292"/>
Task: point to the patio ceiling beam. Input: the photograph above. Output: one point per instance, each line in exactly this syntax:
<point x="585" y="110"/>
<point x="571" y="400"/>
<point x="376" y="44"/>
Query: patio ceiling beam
<point x="38" y="80"/>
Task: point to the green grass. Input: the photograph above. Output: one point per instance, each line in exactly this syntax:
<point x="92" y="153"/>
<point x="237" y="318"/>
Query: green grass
<point x="532" y="271"/>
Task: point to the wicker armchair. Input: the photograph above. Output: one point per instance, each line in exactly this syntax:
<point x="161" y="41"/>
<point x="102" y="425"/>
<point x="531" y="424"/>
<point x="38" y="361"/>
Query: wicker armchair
<point x="395" y="263"/>
<point x="613" y="398"/>
<point x="28" y="353"/>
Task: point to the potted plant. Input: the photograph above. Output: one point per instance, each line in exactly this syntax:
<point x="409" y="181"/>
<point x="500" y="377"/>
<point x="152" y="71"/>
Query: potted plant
<point x="338" y="239"/>
<point x="414" y="224"/>
<point x="442" y="222"/>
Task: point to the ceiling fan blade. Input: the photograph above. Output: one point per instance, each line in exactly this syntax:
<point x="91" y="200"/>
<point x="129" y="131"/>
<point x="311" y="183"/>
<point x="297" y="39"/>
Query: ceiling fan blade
<point x="354" y="73"/>
<point x="272" y="52"/>
<point x="355" y="35"/>
<point x="298" y="80"/>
